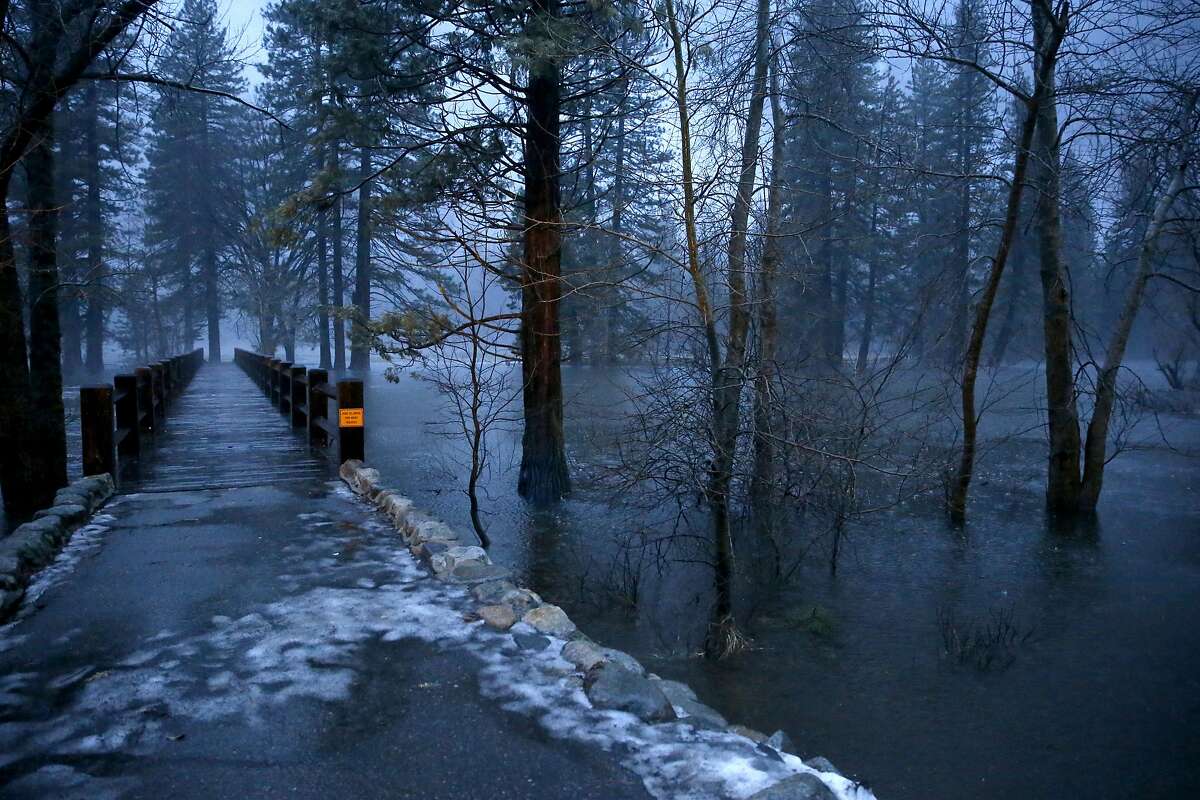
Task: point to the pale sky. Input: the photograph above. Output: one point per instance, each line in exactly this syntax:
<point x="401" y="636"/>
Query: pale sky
<point x="243" y="20"/>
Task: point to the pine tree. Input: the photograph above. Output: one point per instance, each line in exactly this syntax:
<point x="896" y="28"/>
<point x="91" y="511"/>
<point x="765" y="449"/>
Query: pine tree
<point x="831" y="90"/>
<point x="92" y="179"/>
<point x="190" y="179"/>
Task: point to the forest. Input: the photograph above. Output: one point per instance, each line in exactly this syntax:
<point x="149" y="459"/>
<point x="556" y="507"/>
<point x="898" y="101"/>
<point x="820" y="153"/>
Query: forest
<point x="833" y="265"/>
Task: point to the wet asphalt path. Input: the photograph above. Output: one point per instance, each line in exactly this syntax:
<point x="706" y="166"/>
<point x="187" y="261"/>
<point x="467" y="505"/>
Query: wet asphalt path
<point x="271" y="638"/>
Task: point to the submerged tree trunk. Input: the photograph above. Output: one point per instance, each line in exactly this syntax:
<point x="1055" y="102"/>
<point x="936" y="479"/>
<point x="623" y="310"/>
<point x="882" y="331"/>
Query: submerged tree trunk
<point x="1062" y="479"/>
<point x="543" y="477"/>
<point x="727" y="373"/>
<point x="339" y="293"/>
<point x="48" y="459"/>
<point x="1096" y="446"/>
<point x="360" y="341"/>
<point x="960" y="487"/>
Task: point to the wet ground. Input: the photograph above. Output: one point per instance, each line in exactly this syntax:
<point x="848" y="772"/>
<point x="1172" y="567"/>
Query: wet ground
<point x="224" y="643"/>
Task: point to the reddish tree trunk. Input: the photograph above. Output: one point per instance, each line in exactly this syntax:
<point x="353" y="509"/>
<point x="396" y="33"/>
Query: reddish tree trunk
<point x="543" y="477"/>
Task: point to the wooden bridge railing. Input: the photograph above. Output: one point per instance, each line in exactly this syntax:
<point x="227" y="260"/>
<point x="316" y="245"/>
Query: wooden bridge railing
<point x="304" y="396"/>
<point x="137" y="403"/>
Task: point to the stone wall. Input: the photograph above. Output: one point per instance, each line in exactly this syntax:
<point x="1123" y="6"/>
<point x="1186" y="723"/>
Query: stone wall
<point x="35" y="544"/>
<point x="610" y="679"/>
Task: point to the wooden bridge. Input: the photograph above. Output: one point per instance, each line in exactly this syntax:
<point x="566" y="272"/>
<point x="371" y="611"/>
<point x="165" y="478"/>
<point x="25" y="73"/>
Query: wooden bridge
<point x="236" y="624"/>
<point x="152" y="435"/>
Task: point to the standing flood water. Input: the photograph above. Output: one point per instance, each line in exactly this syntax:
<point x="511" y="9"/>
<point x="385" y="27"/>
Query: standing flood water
<point x="996" y="662"/>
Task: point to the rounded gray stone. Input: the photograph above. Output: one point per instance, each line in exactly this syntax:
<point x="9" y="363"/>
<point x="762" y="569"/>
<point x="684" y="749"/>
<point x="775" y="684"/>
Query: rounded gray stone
<point x="821" y="764"/>
<point x="610" y="686"/>
<point x="491" y="591"/>
<point x="583" y="654"/>
<point x="802" y="786"/>
<point x="549" y="619"/>
<point x="474" y="572"/>
<point x="531" y="641"/>
<point x="782" y="742"/>
<point x="500" y="616"/>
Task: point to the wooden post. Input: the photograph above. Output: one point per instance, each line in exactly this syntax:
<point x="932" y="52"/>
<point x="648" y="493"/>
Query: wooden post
<point x="318" y="407"/>
<point x="299" y="412"/>
<point x="160" y="395"/>
<point x="350" y="420"/>
<point x="145" y="399"/>
<point x="285" y="386"/>
<point x="273" y="381"/>
<point x="125" y="401"/>
<point x="96" y="421"/>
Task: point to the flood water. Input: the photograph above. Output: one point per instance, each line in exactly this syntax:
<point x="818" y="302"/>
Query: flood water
<point x="1094" y="693"/>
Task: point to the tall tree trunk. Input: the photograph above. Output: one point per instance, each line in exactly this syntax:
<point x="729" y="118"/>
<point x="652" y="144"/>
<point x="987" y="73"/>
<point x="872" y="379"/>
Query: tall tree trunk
<point x="841" y="302"/>
<point x="729" y="377"/>
<point x="212" y="297"/>
<point x="1047" y="54"/>
<point x="323" y="270"/>
<point x="49" y="456"/>
<point x="71" y="322"/>
<point x="763" y="479"/>
<point x="1062" y="479"/>
<point x="189" y="296"/>
<point x="29" y="467"/>
<point x="1016" y="300"/>
<point x="868" y="329"/>
<point x="543" y="476"/>
<point x="19" y="478"/>
<point x="212" y="305"/>
<point x="821" y="293"/>
<point x="1096" y="445"/>
<point x="360" y="341"/>
<point x="956" y="340"/>
<point x="722" y="616"/>
<point x="339" y="293"/>
<point x="95" y="236"/>
<point x="160" y="330"/>
<point x="617" y="223"/>
<point x="71" y="272"/>
<point x="590" y="314"/>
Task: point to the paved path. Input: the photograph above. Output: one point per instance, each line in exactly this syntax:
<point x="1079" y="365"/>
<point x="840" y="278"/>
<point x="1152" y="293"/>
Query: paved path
<point x="222" y="432"/>
<point x="241" y="627"/>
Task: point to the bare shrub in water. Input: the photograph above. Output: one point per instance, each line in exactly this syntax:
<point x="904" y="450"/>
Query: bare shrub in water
<point x="987" y="645"/>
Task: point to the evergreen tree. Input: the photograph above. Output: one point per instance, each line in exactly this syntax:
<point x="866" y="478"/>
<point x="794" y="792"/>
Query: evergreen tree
<point x="832" y="89"/>
<point x="190" y="177"/>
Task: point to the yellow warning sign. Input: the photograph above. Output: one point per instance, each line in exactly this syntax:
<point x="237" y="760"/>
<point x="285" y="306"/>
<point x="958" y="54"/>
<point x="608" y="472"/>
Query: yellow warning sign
<point x="350" y="417"/>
